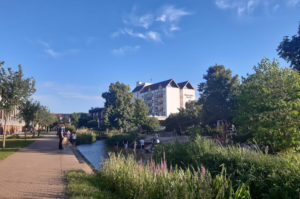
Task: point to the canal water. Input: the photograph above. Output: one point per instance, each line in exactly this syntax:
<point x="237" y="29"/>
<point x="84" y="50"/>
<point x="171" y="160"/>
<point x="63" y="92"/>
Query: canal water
<point x="94" y="153"/>
<point x="98" y="151"/>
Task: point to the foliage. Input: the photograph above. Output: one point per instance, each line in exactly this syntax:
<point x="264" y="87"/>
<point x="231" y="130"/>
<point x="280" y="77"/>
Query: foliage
<point x="289" y="49"/>
<point x="92" y="124"/>
<point x="28" y="111"/>
<point x="118" y="106"/>
<point x="43" y="117"/>
<point x="75" y="119"/>
<point x="140" y="113"/>
<point x="133" y="179"/>
<point x="186" y="117"/>
<point x="216" y="94"/>
<point x="119" y="138"/>
<point x="83" y="120"/>
<point x="151" y="124"/>
<point x="269" y="176"/>
<point x="15" y="90"/>
<point x="86" y="138"/>
<point x="268" y="106"/>
<point x="71" y="128"/>
<point x="86" y="186"/>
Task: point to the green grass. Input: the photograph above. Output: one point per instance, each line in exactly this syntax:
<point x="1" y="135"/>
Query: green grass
<point x="83" y="186"/>
<point x="13" y="144"/>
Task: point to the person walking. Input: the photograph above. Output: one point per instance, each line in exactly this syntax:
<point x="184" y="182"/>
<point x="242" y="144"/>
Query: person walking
<point x="61" y="132"/>
<point x="142" y="142"/>
<point x="69" y="135"/>
<point x="134" y="146"/>
<point x="74" y="137"/>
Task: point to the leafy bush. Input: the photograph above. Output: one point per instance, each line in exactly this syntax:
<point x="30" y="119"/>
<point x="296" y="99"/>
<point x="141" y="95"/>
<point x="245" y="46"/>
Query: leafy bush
<point x="151" y="124"/>
<point x="114" y="138"/>
<point x="269" y="176"/>
<point x="131" y="179"/>
<point x="86" y="138"/>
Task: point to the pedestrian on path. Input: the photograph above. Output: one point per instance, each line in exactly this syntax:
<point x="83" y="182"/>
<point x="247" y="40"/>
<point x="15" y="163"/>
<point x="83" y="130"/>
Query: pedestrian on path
<point x="74" y="137"/>
<point x="61" y="132"/>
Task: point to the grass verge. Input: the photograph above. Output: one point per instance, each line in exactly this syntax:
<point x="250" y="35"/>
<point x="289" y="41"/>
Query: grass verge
<point x="83" y="186"/>
<point x="14" y="144"/>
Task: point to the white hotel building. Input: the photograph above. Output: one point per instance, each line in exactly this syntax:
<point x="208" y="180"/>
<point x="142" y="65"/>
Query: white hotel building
<point x="164" y="98"/>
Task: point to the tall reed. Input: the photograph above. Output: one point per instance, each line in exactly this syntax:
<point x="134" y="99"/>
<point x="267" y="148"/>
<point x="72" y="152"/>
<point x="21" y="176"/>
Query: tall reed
<point x="147" y="180"/>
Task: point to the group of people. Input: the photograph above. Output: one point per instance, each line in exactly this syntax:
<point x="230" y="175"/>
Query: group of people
<point x="64" y="136"/>
<point x="155" y="140"/>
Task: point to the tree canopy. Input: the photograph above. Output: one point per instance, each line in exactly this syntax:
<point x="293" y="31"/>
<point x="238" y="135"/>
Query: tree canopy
<point x="15" y="91"/>
<point x="216" y="94"/>
<point x="119" y="106"/>
<point x="268" y="106"/>
<point x="289" y="49"/>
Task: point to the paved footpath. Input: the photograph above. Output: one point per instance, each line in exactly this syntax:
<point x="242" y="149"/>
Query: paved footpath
<point x="37" y="171"/>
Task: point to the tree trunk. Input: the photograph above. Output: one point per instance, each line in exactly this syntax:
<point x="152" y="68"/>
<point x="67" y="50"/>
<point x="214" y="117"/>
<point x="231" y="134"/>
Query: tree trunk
<point x="4" y="133"/>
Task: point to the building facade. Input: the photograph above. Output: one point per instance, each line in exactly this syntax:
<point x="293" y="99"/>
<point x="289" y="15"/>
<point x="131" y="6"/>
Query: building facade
<point x="14" y="123"/>
<point x="166" y="97"/>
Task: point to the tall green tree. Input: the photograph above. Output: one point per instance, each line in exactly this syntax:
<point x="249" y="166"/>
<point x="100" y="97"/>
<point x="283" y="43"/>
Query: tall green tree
<point x="43" y="118"/>
<point x="268" y="106"/>
<point x="28" y="112"/>
<point x="75" y="119"/>
<point x="289" y="49"/>
<point x="216" y="94"/>
<point x="119" y="106"/>
<point x="140" y="113"/>
<point x="15" y="90"/>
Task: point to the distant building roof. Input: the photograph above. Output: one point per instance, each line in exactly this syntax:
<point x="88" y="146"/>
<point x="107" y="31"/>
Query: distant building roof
<point x="144" y="88"/>
<point x="186" y="83"/>
<point x="138" y="88"/>
<point x="163" y="84"/>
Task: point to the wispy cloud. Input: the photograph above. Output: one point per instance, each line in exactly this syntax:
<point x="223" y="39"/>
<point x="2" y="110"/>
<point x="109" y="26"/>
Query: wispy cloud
<point x="125" y="49"/>
<point x="55" y="53"/>
<point x="61" y="96"/>
<point x="152" y="26"/>
<point x="293" y="2"/>
<point x="247" y="7"/>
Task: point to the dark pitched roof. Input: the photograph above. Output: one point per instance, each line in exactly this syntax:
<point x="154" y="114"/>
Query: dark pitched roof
<point x="138" y="88"/>
<point x="182" y="84"/>
<point x="187" y="84"/>
<point x="163" y="84"/>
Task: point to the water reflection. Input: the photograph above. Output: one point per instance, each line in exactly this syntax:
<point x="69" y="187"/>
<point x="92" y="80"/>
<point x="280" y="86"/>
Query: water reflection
<point x="97" y="151"/>
<point x="94" y="152"/>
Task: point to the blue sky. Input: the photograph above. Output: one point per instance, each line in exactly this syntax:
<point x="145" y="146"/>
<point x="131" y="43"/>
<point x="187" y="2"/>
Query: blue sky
<point x="75" y="48"/>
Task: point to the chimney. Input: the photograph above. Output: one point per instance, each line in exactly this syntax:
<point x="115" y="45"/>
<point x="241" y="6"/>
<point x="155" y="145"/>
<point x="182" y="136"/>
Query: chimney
<point x="139" y="83"/>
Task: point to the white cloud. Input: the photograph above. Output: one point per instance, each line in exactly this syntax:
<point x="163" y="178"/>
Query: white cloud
<point x="125" y="49"/>
<point x="147" y="35"/>
<point x="247" y="7"/>
<point x="52" y="53"/>
<point x="171" y="14"/>
<point x="155" y="36"/>
<point x="55" y="53"/>
<point x="293" y="2"/>
<point x="152" y="26"/>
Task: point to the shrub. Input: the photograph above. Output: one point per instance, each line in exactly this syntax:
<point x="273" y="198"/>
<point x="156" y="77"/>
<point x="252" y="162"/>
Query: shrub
<point x="145" y="181"/>
<point x="112" y="139"/>
<point x="151" y="124"/>
<point x="86" y="138"/>
<point x="269" y="176"/>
